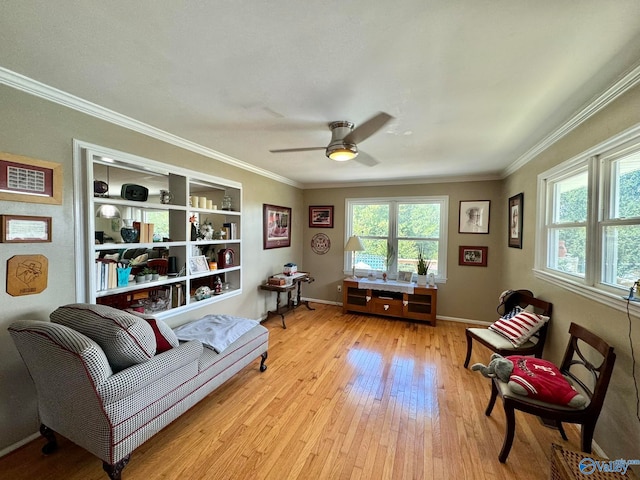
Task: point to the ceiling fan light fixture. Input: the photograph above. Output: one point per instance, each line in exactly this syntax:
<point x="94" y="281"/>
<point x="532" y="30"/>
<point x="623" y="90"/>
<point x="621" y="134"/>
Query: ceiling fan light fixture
<point x="342" y="152"/>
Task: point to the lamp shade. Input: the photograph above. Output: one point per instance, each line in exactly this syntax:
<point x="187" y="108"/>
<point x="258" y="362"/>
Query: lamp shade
<point x="354" y="244"/>
<point x="108" y="211"/>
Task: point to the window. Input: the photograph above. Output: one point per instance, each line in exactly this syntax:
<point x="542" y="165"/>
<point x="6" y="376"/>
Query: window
<point x="589" y="219"/>
<point x="393" y="231"/>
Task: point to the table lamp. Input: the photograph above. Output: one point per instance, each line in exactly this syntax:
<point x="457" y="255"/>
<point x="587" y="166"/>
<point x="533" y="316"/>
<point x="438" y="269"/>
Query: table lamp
<point x="354" y="244"/>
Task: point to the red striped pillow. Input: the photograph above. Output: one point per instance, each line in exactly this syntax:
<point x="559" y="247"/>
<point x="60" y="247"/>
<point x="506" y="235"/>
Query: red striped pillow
<point x="520" y="328"/>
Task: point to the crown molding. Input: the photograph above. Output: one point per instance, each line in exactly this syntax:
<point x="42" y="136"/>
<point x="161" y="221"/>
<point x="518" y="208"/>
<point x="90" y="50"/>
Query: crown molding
<point x="52" y="94"/>
<point x="405" y="181"/>
<point x="626" y="82"/>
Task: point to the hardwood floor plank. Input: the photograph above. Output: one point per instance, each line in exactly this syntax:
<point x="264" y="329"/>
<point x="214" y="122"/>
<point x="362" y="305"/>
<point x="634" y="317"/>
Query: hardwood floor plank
<point x="345" y="396"/>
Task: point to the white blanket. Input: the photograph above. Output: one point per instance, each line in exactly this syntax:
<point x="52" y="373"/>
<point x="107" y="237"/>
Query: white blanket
<point x="215" y="331"/>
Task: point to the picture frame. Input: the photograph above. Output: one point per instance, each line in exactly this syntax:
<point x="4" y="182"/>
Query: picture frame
<point x="24" y="179"/>
<point x="474" y="216"/>
<point x="198" y="264"/>
<point x="405" y="276"/>
<point x="24" y="229"/>
<point x="515" y="220"/>
<point x="472" y="256"/>
<point x="321" y="216"/>
<point x="276" y="223"/>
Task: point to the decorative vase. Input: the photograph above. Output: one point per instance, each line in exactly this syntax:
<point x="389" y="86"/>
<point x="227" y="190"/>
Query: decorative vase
<point x="165" y="196"/>
<point x="129" y="235"/>
<point x="422" y="280"/>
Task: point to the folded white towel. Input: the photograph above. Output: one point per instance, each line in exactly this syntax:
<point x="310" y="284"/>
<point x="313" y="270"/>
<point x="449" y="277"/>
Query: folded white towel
<point x="215" y="331"/>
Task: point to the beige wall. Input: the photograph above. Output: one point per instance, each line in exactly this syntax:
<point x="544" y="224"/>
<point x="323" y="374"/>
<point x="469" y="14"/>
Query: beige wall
<point x="37" y="128"/>
<point x="618" y="430"/>
<point x="466" y="294"/>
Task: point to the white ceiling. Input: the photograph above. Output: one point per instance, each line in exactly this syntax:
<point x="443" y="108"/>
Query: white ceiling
<point x="473" y="84"/>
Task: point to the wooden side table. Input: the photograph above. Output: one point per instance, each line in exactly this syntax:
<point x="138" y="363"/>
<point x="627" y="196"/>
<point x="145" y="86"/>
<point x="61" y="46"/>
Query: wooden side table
<point x="297" y="279"/>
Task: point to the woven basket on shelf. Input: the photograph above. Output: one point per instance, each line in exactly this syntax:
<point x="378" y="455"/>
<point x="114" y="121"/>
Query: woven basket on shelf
<point x="565" y="466"/>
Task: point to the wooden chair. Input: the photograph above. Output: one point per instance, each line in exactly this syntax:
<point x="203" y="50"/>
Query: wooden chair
<point x="160" y="265"/>
<point x="499" y="344"/>
<point x="577" y="368"/>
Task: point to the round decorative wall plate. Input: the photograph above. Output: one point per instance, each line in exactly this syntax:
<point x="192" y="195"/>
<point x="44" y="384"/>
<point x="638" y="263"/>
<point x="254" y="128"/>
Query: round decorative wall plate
<point x="320" y="243"/>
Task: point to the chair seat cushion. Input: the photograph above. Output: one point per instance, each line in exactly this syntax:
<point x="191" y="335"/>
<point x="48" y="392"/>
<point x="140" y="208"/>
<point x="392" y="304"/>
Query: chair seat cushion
<point x="506" y="392"/>
<point x="497" y="341"/>
<point x="125" y="339"/>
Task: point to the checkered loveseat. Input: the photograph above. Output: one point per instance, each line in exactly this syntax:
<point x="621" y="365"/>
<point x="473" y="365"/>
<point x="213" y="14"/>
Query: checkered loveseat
<point x="108" y="380"/>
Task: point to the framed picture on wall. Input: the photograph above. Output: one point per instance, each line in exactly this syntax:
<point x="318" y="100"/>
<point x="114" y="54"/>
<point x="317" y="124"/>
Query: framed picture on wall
<point x="321" y="216"/>
<point x="516" y="204"/>
<point x="474" y="216"/>
<point x="276" y="226"/>
<point x="473" y="256"/>
<point x="24" y="179"/>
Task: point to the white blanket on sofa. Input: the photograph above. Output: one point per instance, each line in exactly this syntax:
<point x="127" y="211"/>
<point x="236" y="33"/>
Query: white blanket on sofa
<point x="215" y="331"/>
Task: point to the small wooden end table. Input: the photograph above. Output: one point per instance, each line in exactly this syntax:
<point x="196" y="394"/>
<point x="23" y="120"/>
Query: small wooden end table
<point x="297" y="279"/>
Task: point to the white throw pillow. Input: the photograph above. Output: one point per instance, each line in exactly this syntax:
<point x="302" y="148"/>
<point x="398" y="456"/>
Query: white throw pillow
<point x="520" y="327"/>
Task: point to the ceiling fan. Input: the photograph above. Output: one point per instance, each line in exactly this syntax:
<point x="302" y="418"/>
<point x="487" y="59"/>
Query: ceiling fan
<point x="345" y="138"/>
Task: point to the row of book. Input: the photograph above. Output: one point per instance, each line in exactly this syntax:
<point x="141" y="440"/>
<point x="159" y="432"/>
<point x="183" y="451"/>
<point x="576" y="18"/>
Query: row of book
<point x="145" y="231"/>
<point x="106" y="274"/>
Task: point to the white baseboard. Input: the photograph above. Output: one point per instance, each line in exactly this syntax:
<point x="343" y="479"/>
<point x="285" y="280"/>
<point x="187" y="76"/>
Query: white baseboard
<point x="15" y="446"/>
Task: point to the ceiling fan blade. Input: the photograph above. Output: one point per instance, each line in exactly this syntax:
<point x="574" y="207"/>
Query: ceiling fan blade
<point x="368" y="128"/>
<point x="290" y="150"/>
<point x="366" y="159"/>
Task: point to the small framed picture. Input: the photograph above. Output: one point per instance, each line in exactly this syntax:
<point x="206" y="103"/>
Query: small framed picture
<point x="473" y="256"/>
<point x="321" y="216"/>
<point x="474" y="216"/>
<point x="24" y="229"/>
<point x="198" y="264"/>
<point x="24" y="179"/>
<point x="516" y="204"/>
<point x="404" y="276"/>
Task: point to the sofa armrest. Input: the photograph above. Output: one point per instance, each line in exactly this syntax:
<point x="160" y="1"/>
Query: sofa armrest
<point x="132" y="379"/>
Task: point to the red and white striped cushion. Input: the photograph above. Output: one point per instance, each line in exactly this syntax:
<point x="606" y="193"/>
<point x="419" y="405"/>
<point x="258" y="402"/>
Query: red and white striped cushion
<point x="520" y="328"/>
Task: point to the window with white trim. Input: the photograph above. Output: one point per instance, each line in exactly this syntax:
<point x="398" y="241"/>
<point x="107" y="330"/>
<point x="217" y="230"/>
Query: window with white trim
<point x="589" y="218"/>
<point x="394" y="230"/>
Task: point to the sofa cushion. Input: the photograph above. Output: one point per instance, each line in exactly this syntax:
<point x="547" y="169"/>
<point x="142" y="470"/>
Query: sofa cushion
<point x="165" y="338"/>
<point x="125" y="338"/>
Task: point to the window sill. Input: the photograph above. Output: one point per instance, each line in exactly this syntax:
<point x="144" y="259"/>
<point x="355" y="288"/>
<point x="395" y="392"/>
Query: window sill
<point x="609" y="299"/>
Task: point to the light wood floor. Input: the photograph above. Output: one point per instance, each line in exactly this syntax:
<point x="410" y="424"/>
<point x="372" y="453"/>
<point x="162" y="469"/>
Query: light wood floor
<point x="344" y="397"/>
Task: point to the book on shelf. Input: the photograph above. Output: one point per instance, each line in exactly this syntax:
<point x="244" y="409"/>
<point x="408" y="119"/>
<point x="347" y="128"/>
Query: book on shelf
<point x="232" y="230"/>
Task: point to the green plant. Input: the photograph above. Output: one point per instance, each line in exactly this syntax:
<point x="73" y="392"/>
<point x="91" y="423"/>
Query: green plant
<point x="423" y="266"/>
<point x="148" y="271"/>
<point x="390" y="253"/>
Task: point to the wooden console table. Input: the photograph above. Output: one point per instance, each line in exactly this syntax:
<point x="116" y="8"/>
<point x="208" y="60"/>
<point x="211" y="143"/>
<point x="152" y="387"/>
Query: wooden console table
<point x="296" y="280"/>
<point x="394" y="299"/>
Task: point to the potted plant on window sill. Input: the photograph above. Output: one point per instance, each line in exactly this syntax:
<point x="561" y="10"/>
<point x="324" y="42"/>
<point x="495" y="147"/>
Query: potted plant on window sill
<point x="423" y="267"/>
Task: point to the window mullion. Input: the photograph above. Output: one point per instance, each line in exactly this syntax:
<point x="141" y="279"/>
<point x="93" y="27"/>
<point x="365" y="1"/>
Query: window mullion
<point x="594" y="241"/>
<point x="393" y="234"/>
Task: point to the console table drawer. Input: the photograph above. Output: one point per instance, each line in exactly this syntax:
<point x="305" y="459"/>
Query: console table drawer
<point x="387" y="306"/>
